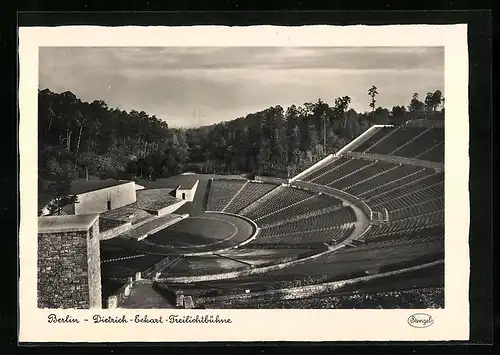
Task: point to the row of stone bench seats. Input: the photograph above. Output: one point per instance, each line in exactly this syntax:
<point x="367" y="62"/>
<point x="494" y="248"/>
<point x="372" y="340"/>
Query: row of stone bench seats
<point x="325" y="220"/>
<point x="309" y="206"/>
<point x="249" y="194"/>
<point x="307" y="237"/>
<point x="221" y="192"/>
<point x="284" y="197"/>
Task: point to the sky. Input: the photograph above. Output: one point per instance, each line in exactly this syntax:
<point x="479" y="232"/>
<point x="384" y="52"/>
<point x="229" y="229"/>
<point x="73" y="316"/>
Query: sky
<point x="194" y="86"/>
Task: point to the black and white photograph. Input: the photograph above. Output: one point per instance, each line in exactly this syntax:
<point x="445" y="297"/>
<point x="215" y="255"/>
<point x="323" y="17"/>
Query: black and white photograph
<point x="241" y="177"/>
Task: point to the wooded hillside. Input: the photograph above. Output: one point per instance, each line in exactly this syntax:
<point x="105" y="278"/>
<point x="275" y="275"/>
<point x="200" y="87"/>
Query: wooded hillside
<point x="78" y="139"/>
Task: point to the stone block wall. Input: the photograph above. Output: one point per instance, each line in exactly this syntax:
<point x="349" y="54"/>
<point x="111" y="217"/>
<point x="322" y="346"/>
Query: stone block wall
<point x="69" y="274"/>
<point x="62" y="270"/>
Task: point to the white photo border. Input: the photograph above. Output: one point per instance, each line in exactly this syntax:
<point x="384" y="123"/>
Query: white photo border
<point x="450" y="323"/>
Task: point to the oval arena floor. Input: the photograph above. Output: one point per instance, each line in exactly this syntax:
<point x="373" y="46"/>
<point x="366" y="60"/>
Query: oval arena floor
<point x="203" y="232"/>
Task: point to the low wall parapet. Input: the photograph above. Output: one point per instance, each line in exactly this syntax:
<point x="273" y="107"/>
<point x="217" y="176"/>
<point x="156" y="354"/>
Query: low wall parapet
<point x="116" y="231"/>
<point x="272" y="180"/>
<point x="228" y="177"/>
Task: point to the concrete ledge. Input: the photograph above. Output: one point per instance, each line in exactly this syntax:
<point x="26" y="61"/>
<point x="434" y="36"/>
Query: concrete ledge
<point x="116" y="231"/>
<point x="68" y="223"/>
<point x="361" y="139"/>
<point x="170" y="209"/>
<point x="228" y="177"/>
<point x="271" y="180"/>
<point x="327" y="160"/>
<point x="152" y="226"/>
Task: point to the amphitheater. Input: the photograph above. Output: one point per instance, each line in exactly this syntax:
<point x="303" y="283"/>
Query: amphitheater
<point x="369" y="218"/>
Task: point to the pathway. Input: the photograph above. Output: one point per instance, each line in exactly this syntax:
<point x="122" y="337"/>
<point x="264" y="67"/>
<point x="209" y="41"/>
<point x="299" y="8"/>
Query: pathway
<point x="143" y="296"/>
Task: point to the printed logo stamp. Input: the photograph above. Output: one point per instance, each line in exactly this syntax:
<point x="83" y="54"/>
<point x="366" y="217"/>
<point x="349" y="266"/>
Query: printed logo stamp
<point x="420" y="320"/>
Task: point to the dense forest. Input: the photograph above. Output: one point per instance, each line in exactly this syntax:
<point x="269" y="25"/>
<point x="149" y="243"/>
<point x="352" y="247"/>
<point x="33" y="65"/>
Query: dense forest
<point x="79" y="139"/>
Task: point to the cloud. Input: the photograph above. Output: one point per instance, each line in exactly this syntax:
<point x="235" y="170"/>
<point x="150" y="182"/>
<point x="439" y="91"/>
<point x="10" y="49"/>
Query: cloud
<point x="226" y="82"/>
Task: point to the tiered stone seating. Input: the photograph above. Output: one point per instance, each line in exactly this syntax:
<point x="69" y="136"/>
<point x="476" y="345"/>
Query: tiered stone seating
<point x="319" y="221"/>
<point x="284" y="198"/>
<point x="323" y="170"/>
<point x="399" y="137"/>
<point x="311" y="205"/>
<point x="363" y="174"/>
<point x="435" y="154"/>
<point x="422" y="143"/>
<point x="403" y="190"/>
<point x="414" y="198"/>
<point x="250" y="193"/>
<point x="307" y="237"/>
<point x="381" y="132"/>
<point x="342" y="171"/>
<point x="385" y="250"/>
<point x="417" y="209"/>
<point x="431" y="219"/>
<point x="221" y="192"/>
<point x="421" y="235"/>
<point x="387" y="177"/>
<point x="396" y="182"/>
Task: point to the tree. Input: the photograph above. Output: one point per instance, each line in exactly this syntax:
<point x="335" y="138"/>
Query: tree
<point x="433" y="100"/>
<point x="110" y="141"/>
<point x="353" y="129"/>
<point x="382" y="116"/>
<point x="372" y="92"/>
<point x="398" y="115"/>
<point x="341" y="107"/>
<point x="416" y="107"/>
